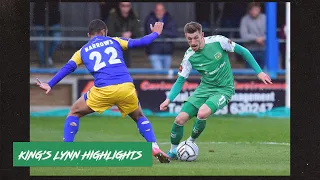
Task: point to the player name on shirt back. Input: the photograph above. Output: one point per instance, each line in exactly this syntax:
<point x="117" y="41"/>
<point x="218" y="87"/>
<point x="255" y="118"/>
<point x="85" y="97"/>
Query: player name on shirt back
<point x="97" y="45"/>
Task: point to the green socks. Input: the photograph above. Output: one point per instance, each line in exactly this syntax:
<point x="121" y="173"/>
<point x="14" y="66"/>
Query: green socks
<point x="198" y="127"/>
<point x="176" y="133"/>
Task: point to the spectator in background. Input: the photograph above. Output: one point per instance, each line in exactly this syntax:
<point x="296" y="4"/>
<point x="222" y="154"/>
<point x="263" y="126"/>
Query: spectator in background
<point x="252" y="30"/>
<point x="122" y="22"/>
<point x="39" y="21"/>
<point x="231" y="18"/>
<point x="159" y="53"/>
<point x="105" y="8"/>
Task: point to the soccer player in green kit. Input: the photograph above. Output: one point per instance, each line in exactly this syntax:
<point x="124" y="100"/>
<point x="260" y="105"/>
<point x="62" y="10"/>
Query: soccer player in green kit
<point x="209" y="56"/>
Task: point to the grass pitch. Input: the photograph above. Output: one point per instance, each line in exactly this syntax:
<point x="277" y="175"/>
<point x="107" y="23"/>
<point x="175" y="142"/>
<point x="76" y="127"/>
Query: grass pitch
<point x="228" y="146"/>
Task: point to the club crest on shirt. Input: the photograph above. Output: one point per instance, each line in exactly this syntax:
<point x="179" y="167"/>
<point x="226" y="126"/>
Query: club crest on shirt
<point x="218" y="55"/>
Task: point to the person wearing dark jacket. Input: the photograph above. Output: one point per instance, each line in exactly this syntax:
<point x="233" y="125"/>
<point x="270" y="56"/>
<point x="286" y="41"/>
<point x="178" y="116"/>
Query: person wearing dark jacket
<point x="122" y="22"/>
<point x="105" y="8"/>
<point x="159" y="53"/>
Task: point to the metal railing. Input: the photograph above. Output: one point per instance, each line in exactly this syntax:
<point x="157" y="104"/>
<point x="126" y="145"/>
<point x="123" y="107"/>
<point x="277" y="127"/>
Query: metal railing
<point x="83" y="39"/>
<point x="142" y="71"/>
<point x="84" y="29"/>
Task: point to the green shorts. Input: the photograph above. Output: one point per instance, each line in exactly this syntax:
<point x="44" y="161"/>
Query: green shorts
<point x="214" y="102"/>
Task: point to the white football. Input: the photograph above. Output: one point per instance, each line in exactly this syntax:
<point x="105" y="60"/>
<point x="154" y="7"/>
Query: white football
<point x="187" y="151"/>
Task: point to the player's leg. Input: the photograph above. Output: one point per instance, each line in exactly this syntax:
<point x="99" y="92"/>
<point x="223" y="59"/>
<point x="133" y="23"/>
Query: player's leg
<point x="144" y="126"/>
<point x="188" y="111"/>
<point x="71" y="126"/>
<point x="199" y="125"/>
<point x="209" y="107"/>
<point x="95" y="100"/>
<point x="146" y="130"/>
<point x="130" y="106"/>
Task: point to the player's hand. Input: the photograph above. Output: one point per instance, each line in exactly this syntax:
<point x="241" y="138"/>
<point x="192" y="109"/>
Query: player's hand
<point x="43" y="86"/>
<point x="164" y="105"/>
<point x="264" y="78"/>
<point x="158" y="26"/>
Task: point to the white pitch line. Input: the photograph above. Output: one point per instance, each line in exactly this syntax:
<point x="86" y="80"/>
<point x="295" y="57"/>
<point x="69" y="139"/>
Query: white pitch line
<point x="269" y="143"/>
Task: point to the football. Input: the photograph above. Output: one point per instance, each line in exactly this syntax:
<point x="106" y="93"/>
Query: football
<point x="187" y="151"/>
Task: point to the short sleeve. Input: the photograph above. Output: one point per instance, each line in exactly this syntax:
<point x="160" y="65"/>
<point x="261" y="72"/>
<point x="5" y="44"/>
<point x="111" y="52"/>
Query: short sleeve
<point x="77" y="58"/>
<point x="186" y="67"/>
<point x="123" y="42"/>
<point x="226" y="43"/>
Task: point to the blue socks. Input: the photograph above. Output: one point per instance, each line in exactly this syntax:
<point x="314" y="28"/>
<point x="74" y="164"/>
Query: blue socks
<point x="71" y="127"/>
<point x="145" y="129"/>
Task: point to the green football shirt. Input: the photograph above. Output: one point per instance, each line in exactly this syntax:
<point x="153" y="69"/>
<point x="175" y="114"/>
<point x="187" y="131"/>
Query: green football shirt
<point x="212" y="62"/>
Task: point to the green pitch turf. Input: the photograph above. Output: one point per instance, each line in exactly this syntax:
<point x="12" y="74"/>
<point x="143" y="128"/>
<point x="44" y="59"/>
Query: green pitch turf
<point x="228" y="146"/>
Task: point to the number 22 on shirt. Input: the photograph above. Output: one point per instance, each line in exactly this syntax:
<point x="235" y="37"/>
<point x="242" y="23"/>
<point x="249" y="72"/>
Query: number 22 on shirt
<point x="97" y="57"/>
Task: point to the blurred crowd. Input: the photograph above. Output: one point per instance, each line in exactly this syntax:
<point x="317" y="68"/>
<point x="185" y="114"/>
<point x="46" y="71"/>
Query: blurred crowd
<point x="122" y="21"/>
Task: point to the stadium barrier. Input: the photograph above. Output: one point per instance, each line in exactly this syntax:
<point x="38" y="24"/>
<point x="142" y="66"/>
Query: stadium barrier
<point x="252" y="97"/>
<point x="85" y="29"/>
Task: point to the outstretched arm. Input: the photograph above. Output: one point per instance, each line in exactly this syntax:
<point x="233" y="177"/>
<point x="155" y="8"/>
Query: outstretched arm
<point x="67" y="69"/>
<point x="247" y="56"/>
<point x="230" y="46"/>
<point x="141" y="42"/>
<point x="148" y="39"/>
<point x="245" y="53"/>
<point x="175" y="90"/>
<point x="63" y="72"/>
<point x="144" y="41"/>
<point x="184" y="71"/>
